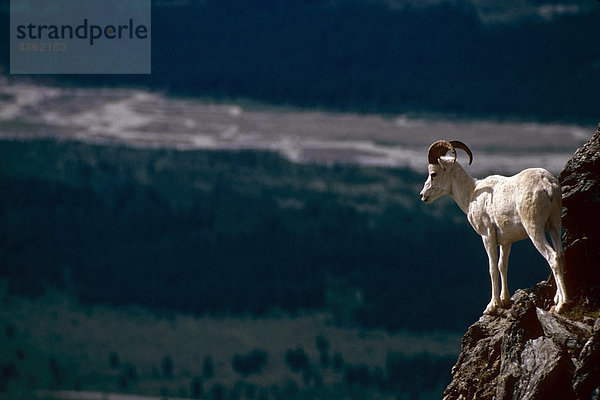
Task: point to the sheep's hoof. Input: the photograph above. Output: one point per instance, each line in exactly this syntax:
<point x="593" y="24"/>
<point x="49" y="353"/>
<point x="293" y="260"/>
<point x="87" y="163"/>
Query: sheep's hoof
<point x="559" y="308"/>
<point x="491" y="309"/>
<point x="505" y="304"/>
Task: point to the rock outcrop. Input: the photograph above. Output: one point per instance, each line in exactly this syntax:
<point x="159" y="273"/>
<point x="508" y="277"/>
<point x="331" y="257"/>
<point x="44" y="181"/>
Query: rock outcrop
<point x="526" y="352"/>
<point x="580" y="182"/>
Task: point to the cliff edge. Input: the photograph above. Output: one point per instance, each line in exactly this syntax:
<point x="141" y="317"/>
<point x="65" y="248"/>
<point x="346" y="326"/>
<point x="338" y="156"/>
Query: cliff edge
<point x="526" y="352"/>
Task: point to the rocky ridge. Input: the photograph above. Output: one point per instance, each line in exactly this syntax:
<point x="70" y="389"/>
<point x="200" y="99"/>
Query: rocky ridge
<point x="526" y="352"/>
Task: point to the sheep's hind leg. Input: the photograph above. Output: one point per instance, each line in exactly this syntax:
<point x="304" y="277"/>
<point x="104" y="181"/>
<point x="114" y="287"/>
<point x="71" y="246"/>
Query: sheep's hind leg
<point x="503" y="266"/>
<point x="554" y="259"/>
<point x="561" y="288"/>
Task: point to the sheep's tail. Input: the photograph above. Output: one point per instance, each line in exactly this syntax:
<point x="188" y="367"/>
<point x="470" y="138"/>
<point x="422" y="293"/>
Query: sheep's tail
<point x="554" y="191"/>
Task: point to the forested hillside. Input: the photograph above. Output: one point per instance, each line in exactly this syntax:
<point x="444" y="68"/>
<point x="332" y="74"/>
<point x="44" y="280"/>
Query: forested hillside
<point x="240" y="232"/>
<point x="367" y="56"/>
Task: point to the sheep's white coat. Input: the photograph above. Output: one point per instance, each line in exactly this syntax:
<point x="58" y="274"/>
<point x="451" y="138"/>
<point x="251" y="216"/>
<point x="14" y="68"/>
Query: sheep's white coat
<point x="503" y="210"/>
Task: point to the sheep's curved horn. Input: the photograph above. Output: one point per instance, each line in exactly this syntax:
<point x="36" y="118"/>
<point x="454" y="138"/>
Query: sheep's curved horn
<point x="460" y="145"/>
<point x="439" y="149"/>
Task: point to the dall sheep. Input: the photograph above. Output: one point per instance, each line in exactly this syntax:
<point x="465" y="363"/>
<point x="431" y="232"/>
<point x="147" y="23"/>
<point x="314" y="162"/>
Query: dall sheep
<point x="502" y="210"/>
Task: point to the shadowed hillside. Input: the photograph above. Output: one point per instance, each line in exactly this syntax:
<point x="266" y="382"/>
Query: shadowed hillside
<point x="367" y="56"/>
<point x="239" y="232"/>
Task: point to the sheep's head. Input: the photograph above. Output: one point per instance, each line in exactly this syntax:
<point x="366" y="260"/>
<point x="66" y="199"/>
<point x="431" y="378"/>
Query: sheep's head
<point x="439" y="181"/>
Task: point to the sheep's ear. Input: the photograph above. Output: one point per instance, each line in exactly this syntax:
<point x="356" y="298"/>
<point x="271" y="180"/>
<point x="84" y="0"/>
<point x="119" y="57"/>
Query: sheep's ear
<point x="442" y="163"/>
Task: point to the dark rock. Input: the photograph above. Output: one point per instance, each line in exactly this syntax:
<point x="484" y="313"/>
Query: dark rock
<point x="587" y="374"/>
<point x="527" y="352"/>
<point x="510" y="356"/>
<point x="522" y="353"/>
<point x="544" y="371"/>
<point x="580" y="182"/>
<point x="572" y="333"/>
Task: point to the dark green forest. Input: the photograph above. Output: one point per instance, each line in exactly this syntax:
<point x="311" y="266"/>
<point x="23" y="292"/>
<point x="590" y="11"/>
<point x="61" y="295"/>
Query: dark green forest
<point x="365" y="56"/>
<point x="240" y="232"/>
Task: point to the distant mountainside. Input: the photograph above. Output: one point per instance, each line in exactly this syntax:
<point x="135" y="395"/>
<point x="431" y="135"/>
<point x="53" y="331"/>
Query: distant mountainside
<point x="510" y="59"/>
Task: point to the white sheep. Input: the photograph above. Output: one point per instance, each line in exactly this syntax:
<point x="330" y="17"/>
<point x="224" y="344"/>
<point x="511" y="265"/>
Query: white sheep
<point x="502" y="210"/>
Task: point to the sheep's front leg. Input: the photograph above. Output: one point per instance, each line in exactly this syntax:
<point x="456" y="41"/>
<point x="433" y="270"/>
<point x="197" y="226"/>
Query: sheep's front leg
<point x="503" y="266"/>
<point x="492" y="251"/>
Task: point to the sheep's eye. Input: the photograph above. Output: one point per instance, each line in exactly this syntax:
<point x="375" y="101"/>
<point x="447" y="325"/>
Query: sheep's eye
<point x="433" y="174"/>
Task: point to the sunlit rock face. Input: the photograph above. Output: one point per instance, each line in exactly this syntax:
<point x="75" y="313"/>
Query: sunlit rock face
<point x="526" y="351"/>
